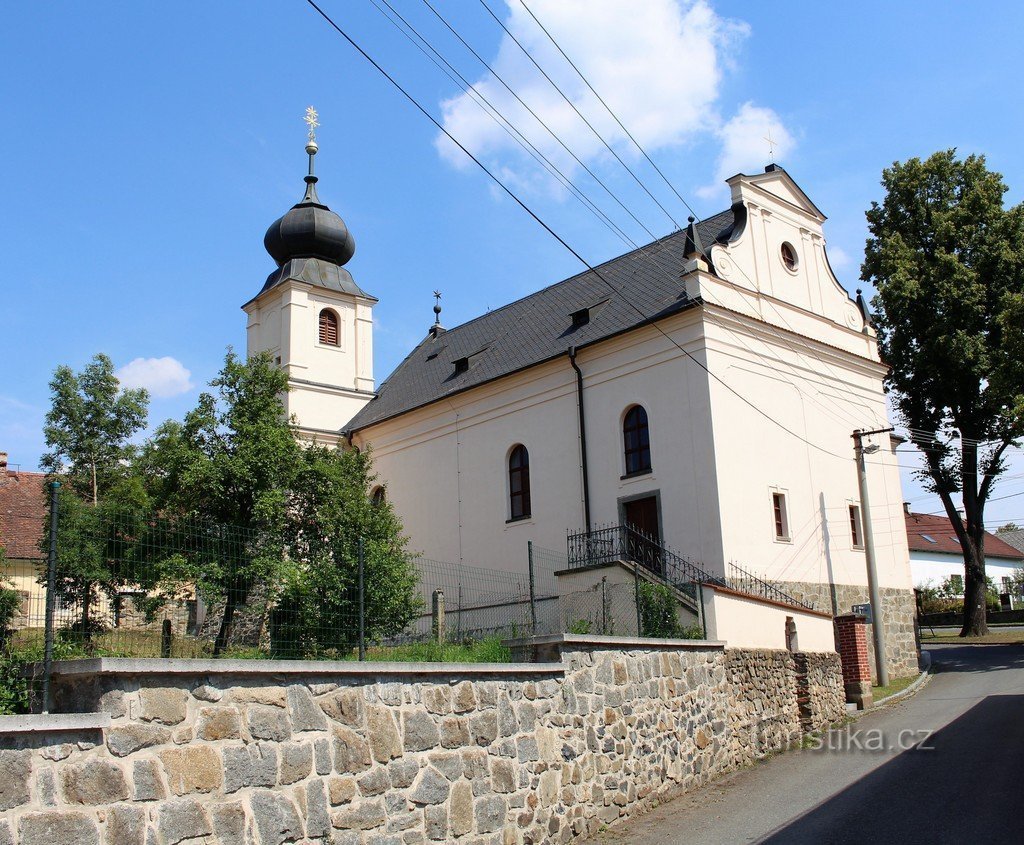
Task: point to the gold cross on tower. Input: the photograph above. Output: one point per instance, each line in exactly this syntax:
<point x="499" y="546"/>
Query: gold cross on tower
<point x="312" y="121"/>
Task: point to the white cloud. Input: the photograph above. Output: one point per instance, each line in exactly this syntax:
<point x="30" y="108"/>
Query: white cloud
<point x="658" y="64"/>
<point x="162" y="377"/>
<point x="745" y="145"/>
<point x="838" y="258"/>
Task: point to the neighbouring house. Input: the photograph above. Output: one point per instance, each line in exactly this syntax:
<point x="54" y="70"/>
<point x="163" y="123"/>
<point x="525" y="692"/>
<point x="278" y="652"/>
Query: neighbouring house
<point x="22" y="517"/>
<point x="1013" y="538"/>
<point x="937" y="556"/>
<point x="700" y="391"/>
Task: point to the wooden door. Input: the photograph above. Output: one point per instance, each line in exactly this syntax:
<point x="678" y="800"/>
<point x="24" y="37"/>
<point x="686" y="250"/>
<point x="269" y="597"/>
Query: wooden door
<point x="642" y="516"/>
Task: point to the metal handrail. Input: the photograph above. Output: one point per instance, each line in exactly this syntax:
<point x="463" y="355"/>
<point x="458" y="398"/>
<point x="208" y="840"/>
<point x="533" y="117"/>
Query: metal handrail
<point x="746" y="582"/>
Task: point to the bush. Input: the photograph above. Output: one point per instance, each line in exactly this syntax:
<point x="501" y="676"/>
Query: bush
<point x="659" y="614"/>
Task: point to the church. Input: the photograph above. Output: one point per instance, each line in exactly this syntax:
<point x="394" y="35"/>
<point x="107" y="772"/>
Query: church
<point x="702" y="389"/>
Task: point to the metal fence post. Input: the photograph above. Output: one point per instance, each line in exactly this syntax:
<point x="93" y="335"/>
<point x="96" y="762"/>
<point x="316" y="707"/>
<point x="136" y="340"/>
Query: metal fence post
<point x="166" y="638"/>
<point x="533" y="591"/>
<point x="636" y="597"/>
<point x="437" y="614"/>
<point x="51" y="586"/>
<point x="362" y="602"/>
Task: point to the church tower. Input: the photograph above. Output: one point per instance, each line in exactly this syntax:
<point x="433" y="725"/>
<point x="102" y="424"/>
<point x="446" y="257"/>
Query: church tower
<point x="311" y="316"/>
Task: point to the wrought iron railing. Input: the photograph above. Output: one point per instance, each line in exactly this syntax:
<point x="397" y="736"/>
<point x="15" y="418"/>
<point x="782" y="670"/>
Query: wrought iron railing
<point x="626" y="543"/>
<point x="746" y="582"/>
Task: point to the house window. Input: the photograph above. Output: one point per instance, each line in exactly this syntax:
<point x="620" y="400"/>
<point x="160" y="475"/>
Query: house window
<point x="378" y="496"/>
<point x="329" y="327"/>
<point x="636" y="441"/>
<point x="519" y="482"/>
<point x="855" y="527"/>
<point x="779" y="515"/>
<point x="1007" y="583"/>
<point x="956" y="584"/>
<point x="789" y="258"/>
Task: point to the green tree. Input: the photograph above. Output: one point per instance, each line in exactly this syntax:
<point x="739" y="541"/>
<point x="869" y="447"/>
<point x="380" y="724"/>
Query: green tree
<point x="88" y="429"/>
<point x="90" y="425"/>
<point x="329" y="511"/>
<point x="947" y="260"/>
<point x="1008" y="528"/>
<point x="229" y="465"/>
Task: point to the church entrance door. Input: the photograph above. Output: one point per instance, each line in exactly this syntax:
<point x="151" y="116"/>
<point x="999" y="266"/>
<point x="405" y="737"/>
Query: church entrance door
<point x="644" y="541"/>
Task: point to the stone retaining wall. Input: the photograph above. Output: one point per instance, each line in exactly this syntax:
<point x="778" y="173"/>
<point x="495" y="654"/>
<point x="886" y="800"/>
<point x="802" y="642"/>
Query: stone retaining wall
<point x="388" y="755"/>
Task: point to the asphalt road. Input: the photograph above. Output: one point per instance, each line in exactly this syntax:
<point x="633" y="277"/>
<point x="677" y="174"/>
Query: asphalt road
<point x="963" y="784"/>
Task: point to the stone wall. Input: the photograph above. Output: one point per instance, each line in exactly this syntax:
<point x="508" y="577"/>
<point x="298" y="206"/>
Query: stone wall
<point x="237" y="753"/>
<point x="898" y="611"/>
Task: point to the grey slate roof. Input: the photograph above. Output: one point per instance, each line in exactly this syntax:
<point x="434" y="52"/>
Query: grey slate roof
<point x="539" y="326"/>
<point x="1013" y="538"/>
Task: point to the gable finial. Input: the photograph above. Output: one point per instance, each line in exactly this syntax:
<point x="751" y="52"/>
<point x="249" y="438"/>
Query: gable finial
<point x="771" y="145"/>
<point x="312" y="120"/>
<point x="437" y="307"/>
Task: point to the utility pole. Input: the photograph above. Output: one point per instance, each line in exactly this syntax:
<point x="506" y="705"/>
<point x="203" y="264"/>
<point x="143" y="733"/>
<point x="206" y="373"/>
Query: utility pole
<point x="869" y="550"/>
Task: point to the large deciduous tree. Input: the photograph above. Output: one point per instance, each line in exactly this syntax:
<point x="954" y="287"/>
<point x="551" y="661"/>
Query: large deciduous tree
<point x="947" y="260"/>
<point x="230" y="464"/>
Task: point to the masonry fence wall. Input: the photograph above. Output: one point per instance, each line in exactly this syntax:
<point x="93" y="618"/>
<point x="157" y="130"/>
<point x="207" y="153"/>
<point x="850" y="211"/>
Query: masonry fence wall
<point x="241" y="752"/>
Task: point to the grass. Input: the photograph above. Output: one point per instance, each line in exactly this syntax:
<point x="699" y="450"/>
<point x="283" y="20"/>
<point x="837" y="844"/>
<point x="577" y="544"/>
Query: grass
<point x="894" y="686"/>
<point x="1004" y="637"/>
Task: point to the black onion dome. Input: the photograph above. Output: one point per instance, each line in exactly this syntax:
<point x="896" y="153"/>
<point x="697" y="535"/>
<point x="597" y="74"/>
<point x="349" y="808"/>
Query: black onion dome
<point x="309" y="230"/>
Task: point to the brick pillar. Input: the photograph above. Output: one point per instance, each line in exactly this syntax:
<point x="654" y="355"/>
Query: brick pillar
<point x="852" y="643"/>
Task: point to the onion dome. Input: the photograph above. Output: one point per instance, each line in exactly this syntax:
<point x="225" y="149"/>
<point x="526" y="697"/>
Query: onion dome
<point x="310" y="229"/>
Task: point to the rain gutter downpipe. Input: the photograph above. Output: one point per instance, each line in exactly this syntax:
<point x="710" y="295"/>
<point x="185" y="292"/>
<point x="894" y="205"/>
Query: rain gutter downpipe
<point x="583" y="437"/>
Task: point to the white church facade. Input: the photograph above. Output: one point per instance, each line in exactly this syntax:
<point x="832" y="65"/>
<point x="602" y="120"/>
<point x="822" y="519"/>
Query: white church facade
<point x="703" y="389"/>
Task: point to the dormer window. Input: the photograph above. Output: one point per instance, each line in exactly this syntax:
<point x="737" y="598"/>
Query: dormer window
<point x="580" y="318"/>
<point x="329" y="328"/>
<point x="789" y="258"/>
<point x="461" y="365"/>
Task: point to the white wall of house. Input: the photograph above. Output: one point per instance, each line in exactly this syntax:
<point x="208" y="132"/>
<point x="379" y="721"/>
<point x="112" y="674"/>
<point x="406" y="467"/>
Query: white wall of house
<point x="930" y="569"/>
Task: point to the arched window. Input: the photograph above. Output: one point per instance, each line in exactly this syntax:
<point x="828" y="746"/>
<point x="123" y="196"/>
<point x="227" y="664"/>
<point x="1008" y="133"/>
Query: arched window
<point x="378" y="495"/>
<point x="519" y="482"/>
<point x="329" y="327"/>
<point x="636" y="441"/>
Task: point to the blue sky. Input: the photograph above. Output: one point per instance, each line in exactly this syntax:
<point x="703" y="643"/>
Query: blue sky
<point x="146" y="148"/>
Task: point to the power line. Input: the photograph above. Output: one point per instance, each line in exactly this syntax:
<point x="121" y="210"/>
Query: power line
<point x="646" y="320"/>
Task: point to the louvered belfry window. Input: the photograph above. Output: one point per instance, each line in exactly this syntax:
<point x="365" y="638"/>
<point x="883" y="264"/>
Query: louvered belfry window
<point x="329" y="327"/>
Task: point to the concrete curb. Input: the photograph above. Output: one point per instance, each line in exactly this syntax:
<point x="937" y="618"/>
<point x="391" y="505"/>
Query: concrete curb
<point x="922" y="679"/>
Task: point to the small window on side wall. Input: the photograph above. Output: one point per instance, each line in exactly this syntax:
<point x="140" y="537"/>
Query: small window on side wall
<point x="519" y="482"/>
<point x="780" y="516"/>
<point x="329" y="335"/>
<point x="636" y="441"/>
<point x="856" y="530"/>
<point x="378" y="496"/>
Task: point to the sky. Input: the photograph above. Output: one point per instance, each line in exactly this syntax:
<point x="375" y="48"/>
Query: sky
<point x="147" y="147"/>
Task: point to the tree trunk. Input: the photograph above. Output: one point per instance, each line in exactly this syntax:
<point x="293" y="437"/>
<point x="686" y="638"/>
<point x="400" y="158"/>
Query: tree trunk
<point x="226" y="624"/>
<point x="975" y="595"/>
<point x="972" y="540"/>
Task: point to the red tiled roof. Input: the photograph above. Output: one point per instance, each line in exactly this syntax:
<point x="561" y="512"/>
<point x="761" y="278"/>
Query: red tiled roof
<point x="921" y="526"/>
<point x="22" y="513"/>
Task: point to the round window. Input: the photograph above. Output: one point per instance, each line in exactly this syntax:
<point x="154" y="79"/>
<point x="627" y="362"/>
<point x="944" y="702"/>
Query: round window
<point x="789" y="256"/>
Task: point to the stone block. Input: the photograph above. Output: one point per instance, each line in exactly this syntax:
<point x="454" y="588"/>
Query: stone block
<point x="448" y="763"/>
<point x="346" y="706"/>
<point x="95" y="782"/>
<point x="351" y="751"/>
<point x="166" y="705"/>
<point x="463" y="697"/>
<point x="318" y="817"/>
<point x="306" y="714"/>
<point x="275" y="816"/>
<point x="46" y="787"/>
<point x="435" y="820"/>
<point x="432" y="788"/>
<point x="508" y="724"/>
<point x="15" y="770"/>
<point x="252" y="765"/>
<point x="216" y="723"/>
<point x="267" y="723"/>
<point x="206" y="692"/>
<point x="182" y="819"/>
<point x="127" y="739"/>
<point x="490" y="813"/>
<point x="385" y="740"/>
<point x="375" y="782"/>
<point x="271" y="696"/>
<point x="6" y="836"/>
<point x="365" y="815"/>
<point x="437" y="699"/>
<point x="403" y="772"/>
<point x="126" y="825"/>
<point x="58" y="827"/>
<point x="460" y="809"/>
<point x="296" y="762"/>
<point x="455" y="732"/>
<point x="483" y="727"/>
<point x="229" y="822"/>
<point x="341" y="790"/>
<point x="323" y="759"/>
<point x="192" y="769"/>
<point x="149" y="783"/>
<point x="503" y="775"/>
<point x="420" y="731"/>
